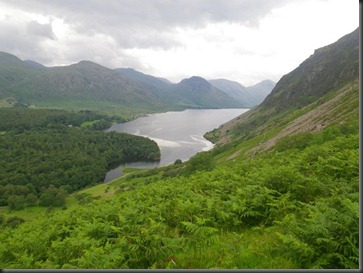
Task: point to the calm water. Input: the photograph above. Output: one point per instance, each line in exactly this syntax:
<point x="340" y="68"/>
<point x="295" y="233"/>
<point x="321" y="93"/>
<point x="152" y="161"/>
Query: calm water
<point x="178" y="134"/>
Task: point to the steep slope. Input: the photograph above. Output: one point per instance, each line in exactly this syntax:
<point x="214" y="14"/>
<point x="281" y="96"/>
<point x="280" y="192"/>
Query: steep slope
<point x="198" y="93"/>
<point x="330" y="70"/>
<point x="247" y="96"/>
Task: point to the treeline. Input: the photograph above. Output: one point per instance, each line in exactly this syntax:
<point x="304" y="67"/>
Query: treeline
<point x="21" y="118"/>
<point x="42" y="164"/>
<point x="296" y="206"/>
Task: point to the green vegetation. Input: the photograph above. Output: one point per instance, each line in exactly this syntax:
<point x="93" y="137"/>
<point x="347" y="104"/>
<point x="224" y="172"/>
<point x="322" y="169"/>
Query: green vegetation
<point x="45" y="154"/>
<point x="283" y="193"/>
<point x="291" y="207"/>
<point x="294" y="205"/>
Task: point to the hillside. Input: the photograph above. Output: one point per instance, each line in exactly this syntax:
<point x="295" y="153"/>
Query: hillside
<point x="279" y="191"/>
<point x="328" y="70"/>
<point x="12" y="71"/>
<point x="293" y="207"/>
<point x="87" y="85"/>
<point x="84" y="81"/>
<point x="248" y="96"/>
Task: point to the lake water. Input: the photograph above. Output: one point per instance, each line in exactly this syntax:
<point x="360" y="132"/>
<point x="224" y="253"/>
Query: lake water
<point x="178" y="134"/>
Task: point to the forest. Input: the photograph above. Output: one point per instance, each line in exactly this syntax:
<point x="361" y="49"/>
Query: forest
<point x="47" y="154"/>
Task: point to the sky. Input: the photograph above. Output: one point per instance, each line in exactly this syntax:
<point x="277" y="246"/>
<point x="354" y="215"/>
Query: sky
<point x="241" y="40"/>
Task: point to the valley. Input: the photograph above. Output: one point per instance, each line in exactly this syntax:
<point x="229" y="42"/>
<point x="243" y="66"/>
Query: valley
<point x="279" y="189"/>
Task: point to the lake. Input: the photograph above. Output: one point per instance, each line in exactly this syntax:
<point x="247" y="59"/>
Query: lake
<point x="178" y="134"/>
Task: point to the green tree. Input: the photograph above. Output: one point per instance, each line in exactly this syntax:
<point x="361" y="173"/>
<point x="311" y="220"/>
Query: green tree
<point x="16" y="202"/>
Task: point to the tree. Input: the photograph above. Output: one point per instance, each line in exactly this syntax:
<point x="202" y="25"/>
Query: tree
<point x="202" y="161"/>
<point x="53" y="196"/>
<point x="16" y="202"/>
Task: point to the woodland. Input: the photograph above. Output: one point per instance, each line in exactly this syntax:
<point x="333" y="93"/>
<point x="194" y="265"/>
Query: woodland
<point x="47" y="154"/>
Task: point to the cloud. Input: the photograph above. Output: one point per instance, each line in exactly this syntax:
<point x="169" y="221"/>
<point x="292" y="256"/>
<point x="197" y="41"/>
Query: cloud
<point x="243" y="40"/>
<point x="145" y="23"/>
<point x="43" y="30"/>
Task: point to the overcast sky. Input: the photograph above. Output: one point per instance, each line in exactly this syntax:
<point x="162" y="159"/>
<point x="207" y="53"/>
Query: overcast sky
<point x="242" y="40"/>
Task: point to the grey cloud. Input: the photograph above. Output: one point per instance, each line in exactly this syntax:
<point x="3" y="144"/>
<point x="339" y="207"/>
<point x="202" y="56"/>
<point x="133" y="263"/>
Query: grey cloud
<point x="147" y="23"/>
<point x="157" y="13"/>
<point x="42" y="30"/>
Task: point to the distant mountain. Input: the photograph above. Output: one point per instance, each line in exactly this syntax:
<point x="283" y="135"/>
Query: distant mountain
<point x="13" y="70"/>
<point x="261" y="90"/>
<point x="160" y="88"/>
<point x="247" y="96"/>
<point x="331" y="71"/>
<point x="199" y="92"/>
<point x="90" y="85"/>
<point x="85" y="81"/>
<point x="150" y="81"/>
<point x="35" y="64"/>
<point x="194" y="92"/>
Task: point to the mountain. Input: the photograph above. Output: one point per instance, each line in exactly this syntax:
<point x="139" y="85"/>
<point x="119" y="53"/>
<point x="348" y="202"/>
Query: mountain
<point x="260" y="90"/>
<point x="35" y="64"/>
<point x="235" y="90"/>
<point x="84" y="81"/>
<point x="247" y="96"/>
<point x="194" y="92"/>
<point x="198" y="92"/>
<point x="332" y="70"/>
<point x="329" y="68"/>
<point x="92" y="86"/>
<point x="150" y="81"/>
<point x="13" y="70"/>
<point x="159" y="87"/>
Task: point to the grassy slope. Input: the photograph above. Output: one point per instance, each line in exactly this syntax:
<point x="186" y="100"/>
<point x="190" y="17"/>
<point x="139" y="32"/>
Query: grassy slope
<point x="339" y="106"/>
<point x="162" y="205"/>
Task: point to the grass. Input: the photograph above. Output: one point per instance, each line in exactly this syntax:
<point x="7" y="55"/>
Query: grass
<point x="249" y="249"/>
<point x="98" y="191"/>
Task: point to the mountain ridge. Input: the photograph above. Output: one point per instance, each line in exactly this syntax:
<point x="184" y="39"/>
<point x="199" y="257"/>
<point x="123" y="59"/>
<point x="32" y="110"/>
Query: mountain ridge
<point x="327" y="71"/>
<point x="88" y="83"/>
<point x="249" y="96"/>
